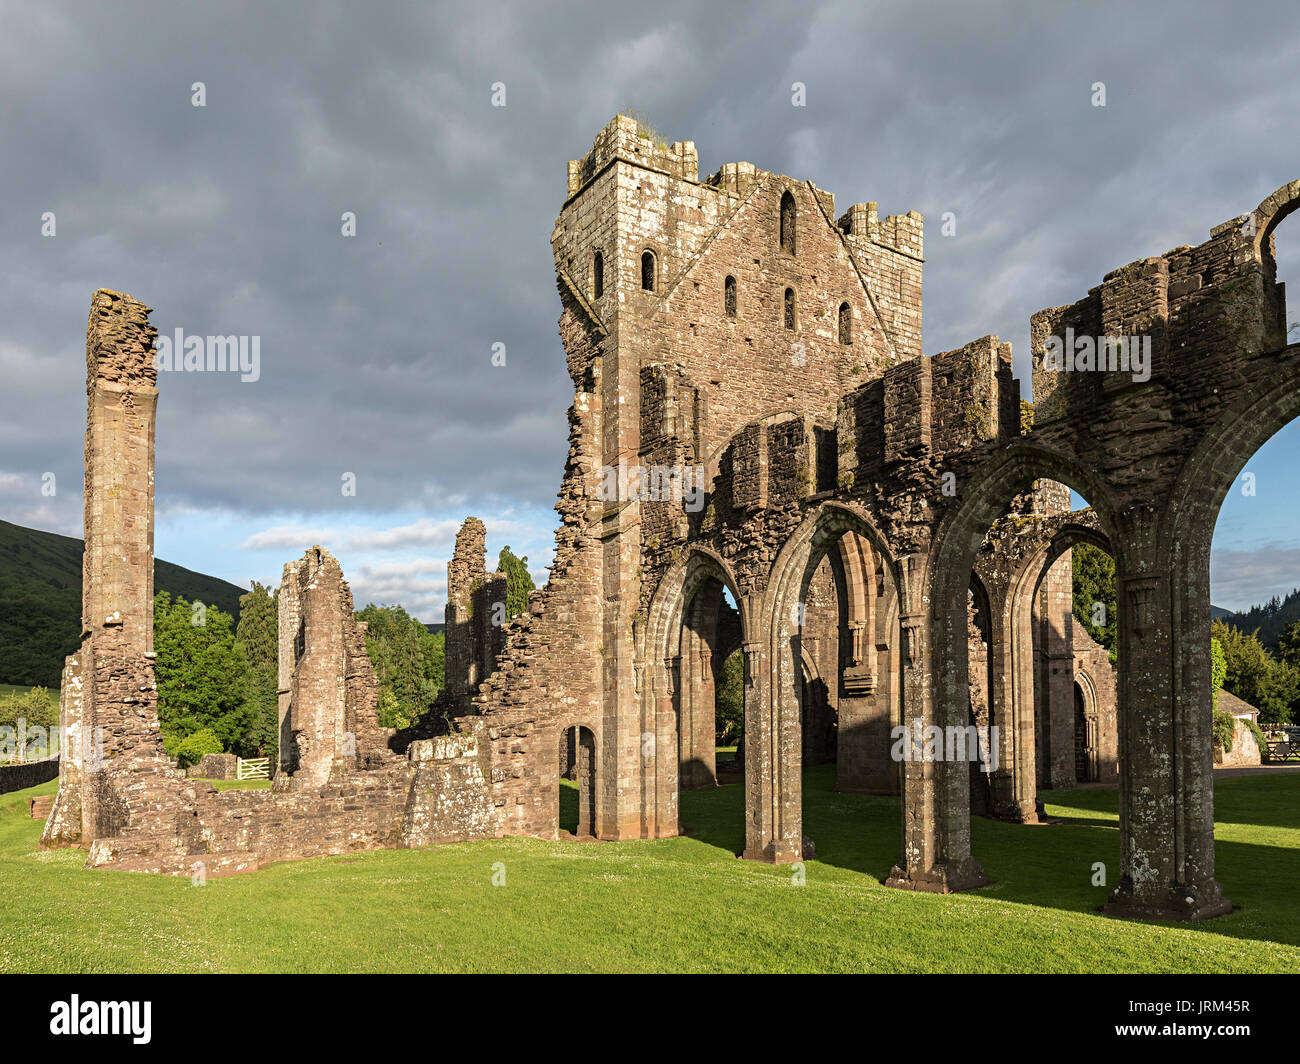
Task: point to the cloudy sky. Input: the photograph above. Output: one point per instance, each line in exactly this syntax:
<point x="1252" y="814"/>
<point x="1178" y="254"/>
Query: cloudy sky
<point x="376" y="350"/>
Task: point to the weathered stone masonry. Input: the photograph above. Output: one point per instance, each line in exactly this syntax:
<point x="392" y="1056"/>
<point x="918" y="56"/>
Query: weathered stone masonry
<point x="328" y="702"/>
<point x="820" y="445"/>
<point x="339" y="788"/>
<point x="858" y="495"/>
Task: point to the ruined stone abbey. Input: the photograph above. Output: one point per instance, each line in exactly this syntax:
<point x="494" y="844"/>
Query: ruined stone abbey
<point x="760" y="458"/>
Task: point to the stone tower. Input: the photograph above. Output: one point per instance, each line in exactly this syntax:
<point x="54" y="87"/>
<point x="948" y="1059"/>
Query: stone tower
<point x="686" y="304"/>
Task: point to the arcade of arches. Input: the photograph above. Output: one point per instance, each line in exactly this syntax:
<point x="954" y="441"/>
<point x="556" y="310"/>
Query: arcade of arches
<point x="894" y="537"/>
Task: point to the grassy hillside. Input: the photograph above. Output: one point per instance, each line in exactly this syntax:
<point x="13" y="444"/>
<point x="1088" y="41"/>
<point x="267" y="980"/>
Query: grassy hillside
<point x="682" y="904"/>
<point x="40" y="601"/>
<point x="14" y="689"/>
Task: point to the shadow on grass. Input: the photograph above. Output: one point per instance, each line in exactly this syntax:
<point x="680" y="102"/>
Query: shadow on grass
<point x="1051" y="865"/>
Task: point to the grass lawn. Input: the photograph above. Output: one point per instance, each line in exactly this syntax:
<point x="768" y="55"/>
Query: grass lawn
<point x="684" y="904"/>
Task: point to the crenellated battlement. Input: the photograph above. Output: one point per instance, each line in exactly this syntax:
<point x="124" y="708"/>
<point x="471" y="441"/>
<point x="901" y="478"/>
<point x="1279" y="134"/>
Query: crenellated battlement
<point x="899" y="232"/>
<point x="923" y="409"/>
<point x="626" y="138"/>
<point x="1161" y="324"/>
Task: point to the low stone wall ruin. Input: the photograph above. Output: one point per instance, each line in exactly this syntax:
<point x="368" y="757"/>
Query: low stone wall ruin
<point x="28" y="774"/>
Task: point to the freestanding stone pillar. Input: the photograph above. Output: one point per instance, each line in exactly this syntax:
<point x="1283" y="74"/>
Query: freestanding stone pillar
<point x="108" y="702"/>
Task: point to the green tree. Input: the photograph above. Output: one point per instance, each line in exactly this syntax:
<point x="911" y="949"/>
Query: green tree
<point x="1253" y="674"/>
<point x="1094" y="594"/>
<point x="201" y="675"/>
<point x="1281" y="701"/>
<point x="434" y="646"/>
<point x="257" y="637"/>
<point x="35" y="709"/>
<point x="519" y="582"/>
<point x="190" y="750"/>
<point x="729" y="700"/>
<point x="408" y="661"/>
<point x="1288" y="644"/>
<point x="1218" y="669"/>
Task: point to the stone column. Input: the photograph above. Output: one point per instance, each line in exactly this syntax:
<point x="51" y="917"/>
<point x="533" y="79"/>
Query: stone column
<point x="1011" y="704"/>
<point x="329" y="695"/>
<point x="703" y="718"/>
<point x="108" y="705"/>
<point x="465" y="575"/>
<point x="627" y="787"/>
<point x="1056" y="604"/>
<point x="936" y="793"/>
<point x="773" y="757"/>
<point x="664" y="751"/>
<point x="1166" y="790"/>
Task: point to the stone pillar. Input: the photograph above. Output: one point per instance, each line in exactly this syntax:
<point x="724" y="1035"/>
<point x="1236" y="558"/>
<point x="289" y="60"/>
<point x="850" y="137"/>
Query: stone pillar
<point x="936" y="793"/>
<point x="1011" y="703"/>
<point x="862" y="761"/>
<point x="628" y="770"/>
<point x="773" y="754"/>
<point x="1056" y="705"/>
<point x="696" y="723"/>
<point x="665" y="761"/>
<point x="586" y="782"/>
<point x="290" y="648"/>
<point x="76" y="742"/>
<point x="108" y="705"/>
<point x="1166" y="796"/>
<point x="465" y="574"/>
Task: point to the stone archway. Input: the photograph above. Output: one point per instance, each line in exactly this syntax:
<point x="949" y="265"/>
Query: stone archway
<point x="774" y="789"/>
<point x="1016" y="709"/>
<point x="683" y="652"/>
<point x="1185" y="538"/>
<point x="937" y="797"/>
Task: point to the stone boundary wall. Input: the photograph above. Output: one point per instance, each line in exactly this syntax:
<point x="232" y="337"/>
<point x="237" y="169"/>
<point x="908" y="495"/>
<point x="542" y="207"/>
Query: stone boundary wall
<point x="30" y="774"/>
<point x="1244" y="752"/>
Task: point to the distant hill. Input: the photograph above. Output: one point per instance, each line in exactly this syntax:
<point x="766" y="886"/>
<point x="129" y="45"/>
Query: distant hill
<point x="1218" y="613"/>
<point x="436" y="628"/>
<point x="40" y="601"/>
<point x="1271" y="618"/>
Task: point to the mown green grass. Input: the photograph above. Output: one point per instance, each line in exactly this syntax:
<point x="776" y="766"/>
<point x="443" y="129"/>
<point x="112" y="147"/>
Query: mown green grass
<point x="684" y="904"/>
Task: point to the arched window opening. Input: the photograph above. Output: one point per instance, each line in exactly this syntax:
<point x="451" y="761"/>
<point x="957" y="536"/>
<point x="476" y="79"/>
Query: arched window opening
<point x="1085" y="737"/>
<point x="789" y="308"/>
<point x="846" y="324"/>
<point x="598" y="275"/>
<point x="1282" y="268"/>
<point x="787" y="222"/>
<point x="648" y="271"/>
<point x="729" y="296"/>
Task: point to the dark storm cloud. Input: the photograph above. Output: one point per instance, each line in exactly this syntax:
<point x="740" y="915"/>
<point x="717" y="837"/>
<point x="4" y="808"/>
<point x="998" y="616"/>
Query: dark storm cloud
<point x="375" y="350"/>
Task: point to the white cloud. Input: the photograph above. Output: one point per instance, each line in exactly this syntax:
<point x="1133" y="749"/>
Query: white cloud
<point x="422" y="533"/>
<point x="288" y="537"/>
<point x="1240" y="579"/>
